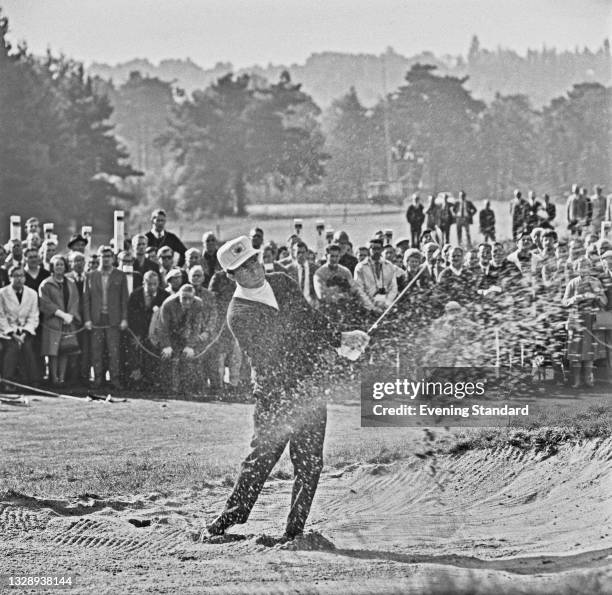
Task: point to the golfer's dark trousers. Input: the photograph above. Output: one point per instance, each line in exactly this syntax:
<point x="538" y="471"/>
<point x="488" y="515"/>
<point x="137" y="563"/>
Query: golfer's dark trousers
<point x="304" y="430"/>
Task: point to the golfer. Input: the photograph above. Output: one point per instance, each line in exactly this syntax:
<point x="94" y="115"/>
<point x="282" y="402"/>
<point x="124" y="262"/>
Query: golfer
<point x="286" y="341"/>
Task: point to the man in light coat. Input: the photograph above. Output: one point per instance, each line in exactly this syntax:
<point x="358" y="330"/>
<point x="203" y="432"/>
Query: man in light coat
<point x="376" y="278"/>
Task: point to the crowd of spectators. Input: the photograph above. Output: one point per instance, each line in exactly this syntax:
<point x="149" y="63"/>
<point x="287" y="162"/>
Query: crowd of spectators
<point x="149" y="316"/>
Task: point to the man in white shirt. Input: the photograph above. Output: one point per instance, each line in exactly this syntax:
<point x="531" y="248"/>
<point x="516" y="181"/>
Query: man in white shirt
<point x="18" y="321"/>
<point x="376" y="278"/>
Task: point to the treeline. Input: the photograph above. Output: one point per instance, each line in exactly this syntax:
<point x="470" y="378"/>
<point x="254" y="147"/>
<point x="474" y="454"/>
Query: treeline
<point x="66" y="138"/>
<point x="208" y="151"/>
<point x="59" y="159"/>
<point x="541" y="74"/>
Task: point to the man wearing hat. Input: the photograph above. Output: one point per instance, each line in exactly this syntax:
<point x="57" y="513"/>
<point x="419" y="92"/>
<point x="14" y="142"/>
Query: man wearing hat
<point x="77" y="243"/>
<point x="286" y="341"/>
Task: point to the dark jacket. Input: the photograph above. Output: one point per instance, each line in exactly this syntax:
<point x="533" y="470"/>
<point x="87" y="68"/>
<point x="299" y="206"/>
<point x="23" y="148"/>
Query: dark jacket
<point x="487" y="219"/>
<point x="283" y="346"/>
<point x="415" y="216"/>
<point x="470" y="210"/>
<point x="349" y="261"/>
<point x="170" y="240"/>
<point x="34" y="282"/>
<point x="117" y="297"/>
<point x="139" y="317"/>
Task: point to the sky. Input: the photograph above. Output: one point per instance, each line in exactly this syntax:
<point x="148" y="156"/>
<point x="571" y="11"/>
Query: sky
<point x="247" y="32"/>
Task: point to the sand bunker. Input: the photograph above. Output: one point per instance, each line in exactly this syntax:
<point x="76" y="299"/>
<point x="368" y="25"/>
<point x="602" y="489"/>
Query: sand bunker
<point x="504" y="519"/>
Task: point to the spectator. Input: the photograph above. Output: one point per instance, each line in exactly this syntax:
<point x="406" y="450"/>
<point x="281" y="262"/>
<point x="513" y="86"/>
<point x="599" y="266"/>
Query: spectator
<point x="142" y="263"/>
<point x="576" y="210"/>
<point x="302" y="271"/>
<point x="32" y="228"/>
<point x="185" y="331"/>
<point x="447" y="218"/>
<point x="175" y="280"/>
<point x="432" y="213"/>
<point x="106" y="315"/>
<point x="77" y="273"/>
<point x="376" y="278"/>
<point x="257" y="237"/>
<point x="413" y="262"/>
<point x="142" y="303"/>
<point x="390" y="255"/>
<point x="93" y="262"/>
<point x="487" y="222"/>
<point x="335" y="287"/>
<point x="415" y="217"/>
<point x="35" y="273"/>
<point x="271" y="265"/>
<point x="464" y="212"/>
<point x="77" y="243"/>
<point x="522" y="257"/>
<point x="585" y="295"/>
<point x="431" y="252"/>
<point x="517" y="214"/>
<point x="598" y="209"/>
<point x="531" y="212"/>
<point x="196" y="278"/>
<point x="551" y="210"/>
<point x="456" y="283"/>
<point x="158" y="237"/>
<point x="606" y="281"/>
<point x="209" y="256"/>
<point x="166" y="258"/>
<point x="18" y="323"/>
<point x="59" y="305"/>
<point x="48" y="249"/>
<point x="15" y="253"/>
<point x="125" y="261"/>
<point x="227" y="352"/>
<point x="362" y="253"/>
<point x="346" y="258"/>
<point x="193" y="257"/>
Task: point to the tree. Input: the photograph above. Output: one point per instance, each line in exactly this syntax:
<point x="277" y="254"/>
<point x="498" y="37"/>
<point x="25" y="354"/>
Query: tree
<point x="438" y="118"/>
<point x="575" y="138"/>
<point x="235" y="133"/>
<point x="58" y="157"/>
<point x="509" y="146"/>
<point x="349" y="137"/>
<point x="142" y="107"/>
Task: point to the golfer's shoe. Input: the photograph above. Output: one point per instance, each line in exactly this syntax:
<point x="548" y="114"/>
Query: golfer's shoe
<point x="218" y="526"/>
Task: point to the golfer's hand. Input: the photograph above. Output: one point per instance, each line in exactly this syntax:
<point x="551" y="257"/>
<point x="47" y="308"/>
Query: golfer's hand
<point x="88" y="325"/>
<point x="68" y="318"/>
<point x="166" y="353"/>
<point x="355" y="339"/>
<point x="123" y="325"/>
<point x="353" y="344"/>
<point x="188" y="352"/>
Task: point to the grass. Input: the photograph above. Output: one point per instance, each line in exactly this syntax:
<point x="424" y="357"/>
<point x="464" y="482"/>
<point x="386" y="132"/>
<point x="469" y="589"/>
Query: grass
<point x="64" y="449"/>
<point x="359" y="220"/>
<point x="549" y="429"/>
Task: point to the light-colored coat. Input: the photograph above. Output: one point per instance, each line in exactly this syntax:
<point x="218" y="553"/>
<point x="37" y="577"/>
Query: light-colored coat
<point x="367" y="283"/>
<point x="15" y="315"/>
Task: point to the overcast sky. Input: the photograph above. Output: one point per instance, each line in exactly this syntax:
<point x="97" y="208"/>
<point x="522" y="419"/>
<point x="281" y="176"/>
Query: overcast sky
<point x="247" y="32"/>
